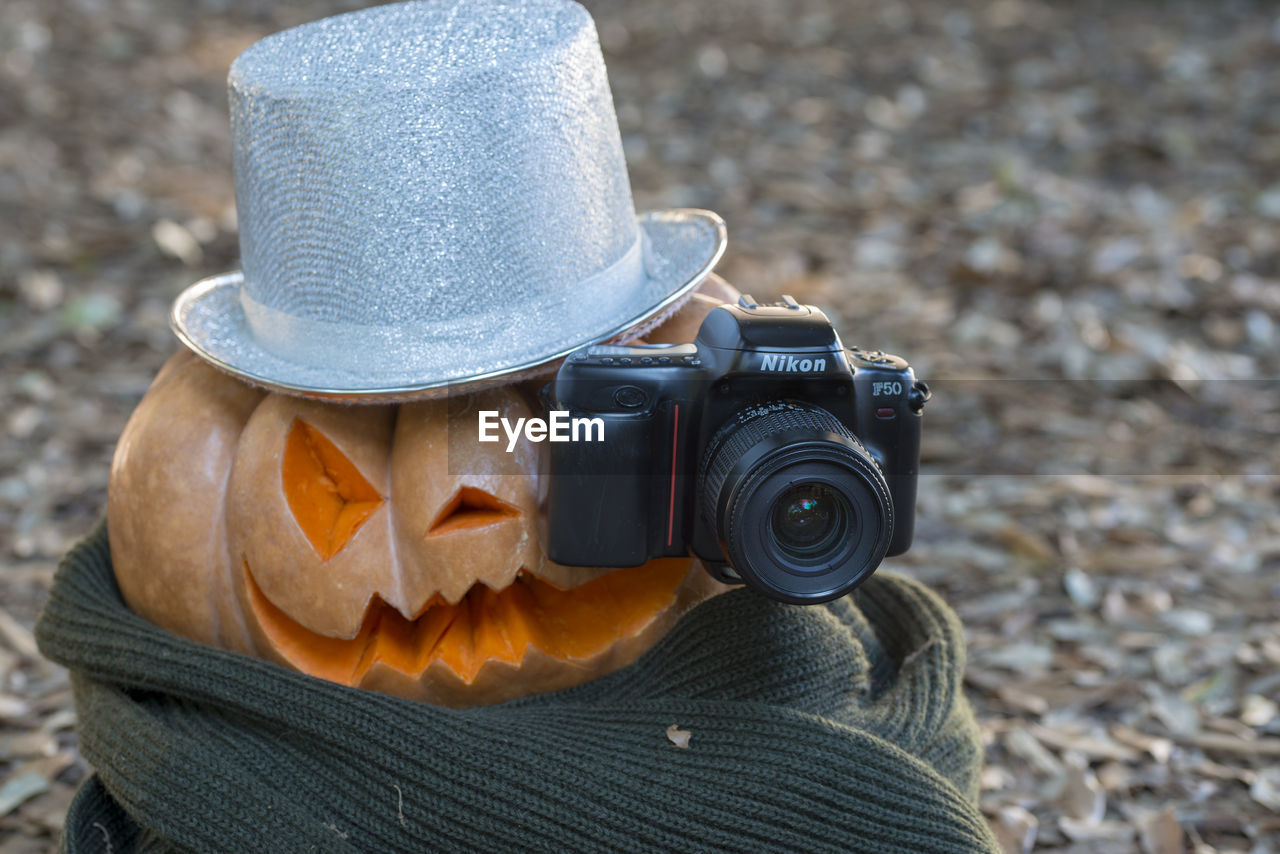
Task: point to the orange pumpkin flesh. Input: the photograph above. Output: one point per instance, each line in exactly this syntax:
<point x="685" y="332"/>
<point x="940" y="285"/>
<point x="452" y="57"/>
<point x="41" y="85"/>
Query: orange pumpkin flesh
<point x="487" y="625"/>
<point x="373" y="546"/>
<point x="328" y="496"/>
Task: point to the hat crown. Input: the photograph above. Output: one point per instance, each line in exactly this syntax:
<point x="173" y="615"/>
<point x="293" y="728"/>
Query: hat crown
<point x="413" y="163"/>
<point x="433" y="195"/>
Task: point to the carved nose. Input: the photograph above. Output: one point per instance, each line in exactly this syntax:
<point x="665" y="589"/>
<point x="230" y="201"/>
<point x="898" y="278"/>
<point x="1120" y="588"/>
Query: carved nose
<point x="478" y="532"/>
<point x="469" y="509"/>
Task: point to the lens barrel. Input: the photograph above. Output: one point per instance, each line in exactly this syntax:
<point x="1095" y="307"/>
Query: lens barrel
<point x="800" y="507"/>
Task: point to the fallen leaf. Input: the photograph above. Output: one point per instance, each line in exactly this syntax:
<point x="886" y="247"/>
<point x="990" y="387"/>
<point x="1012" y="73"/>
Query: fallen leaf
<point x="1022" y="743"/>
<point x="1095" y="746"/>
<point x="1160" y="749"/>
<point x="1015" y="829"/>
<point x="1160" y="833"/>
<point x="20" y="788"/>
<point x="12" y="707"/>
<point x="1215" y="741"/>
<point x="59" y="720"/>
<point x="177" y="241"/>
<point x="1084" y="831"/>
<point x="1026" y="542"/>
<point x="1081" y="588"/>
<point x="1266" y="789"/>
<point x="679" y="737"/>
<point x="24" y="744"/>
<point x="17" y="636"/>
<point x="1258" y="710"/>
<point x="1082" y="797"/>
<point x="1216" y="771"/>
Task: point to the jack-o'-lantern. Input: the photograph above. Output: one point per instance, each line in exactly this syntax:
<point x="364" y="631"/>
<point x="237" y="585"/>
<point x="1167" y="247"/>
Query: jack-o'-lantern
<point x="410" y="217"/>
<point x="378" y="546"/>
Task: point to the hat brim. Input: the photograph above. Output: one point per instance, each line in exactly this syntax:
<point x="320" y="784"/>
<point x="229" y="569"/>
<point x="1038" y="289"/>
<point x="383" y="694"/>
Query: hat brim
<point x="684" y="245"/>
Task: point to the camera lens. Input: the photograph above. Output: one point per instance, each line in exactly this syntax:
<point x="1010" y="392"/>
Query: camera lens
<point x="799" y="506"/>
<point x="808" y="520"/>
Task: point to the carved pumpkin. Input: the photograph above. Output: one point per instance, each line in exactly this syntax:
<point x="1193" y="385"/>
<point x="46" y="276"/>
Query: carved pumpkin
<point x="378" y="546"/>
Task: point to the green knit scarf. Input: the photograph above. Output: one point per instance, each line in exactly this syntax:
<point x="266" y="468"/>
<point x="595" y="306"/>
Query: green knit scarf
<point x="838" y="727"/>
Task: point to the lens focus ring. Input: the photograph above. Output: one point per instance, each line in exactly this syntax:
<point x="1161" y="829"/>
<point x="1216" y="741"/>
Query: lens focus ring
<point x="748" y="428"/>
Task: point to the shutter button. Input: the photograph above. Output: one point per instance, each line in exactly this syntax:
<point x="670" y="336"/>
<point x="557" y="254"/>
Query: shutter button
<point x="630" y="397"/>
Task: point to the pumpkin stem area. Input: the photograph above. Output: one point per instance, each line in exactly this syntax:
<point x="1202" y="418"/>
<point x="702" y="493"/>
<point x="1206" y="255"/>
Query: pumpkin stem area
<point x="485" y="625"/>
<point x="328" y="496"/>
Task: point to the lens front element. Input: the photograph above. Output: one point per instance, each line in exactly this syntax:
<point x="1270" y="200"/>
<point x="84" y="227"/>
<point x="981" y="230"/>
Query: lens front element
<point x="809" y="520"/>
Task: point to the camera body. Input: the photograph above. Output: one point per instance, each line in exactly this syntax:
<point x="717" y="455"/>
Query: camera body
<point x="764" y="448"/>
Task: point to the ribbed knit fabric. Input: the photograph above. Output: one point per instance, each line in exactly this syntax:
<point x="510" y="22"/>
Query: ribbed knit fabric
<point x="839" y="727"/>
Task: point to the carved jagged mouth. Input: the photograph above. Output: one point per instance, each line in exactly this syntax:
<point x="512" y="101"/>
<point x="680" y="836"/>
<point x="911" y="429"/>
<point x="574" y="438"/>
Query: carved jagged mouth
<point x="485" y="625"/>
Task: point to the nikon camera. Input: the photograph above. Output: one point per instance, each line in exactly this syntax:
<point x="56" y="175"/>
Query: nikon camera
<point x="764" y="448"/>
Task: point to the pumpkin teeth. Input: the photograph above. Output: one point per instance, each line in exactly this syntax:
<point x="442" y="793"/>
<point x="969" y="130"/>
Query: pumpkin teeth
<point x="485" y="625"/>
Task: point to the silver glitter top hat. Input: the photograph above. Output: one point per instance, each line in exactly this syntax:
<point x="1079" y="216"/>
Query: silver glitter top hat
<point x="431" y="194"/>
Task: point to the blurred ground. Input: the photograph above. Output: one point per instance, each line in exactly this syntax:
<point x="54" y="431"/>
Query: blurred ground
<point x="1067" y="216"/>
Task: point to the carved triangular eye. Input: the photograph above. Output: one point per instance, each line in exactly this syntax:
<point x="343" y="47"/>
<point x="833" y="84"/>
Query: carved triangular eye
<point x="329" y="497"/>
<point x="471" y="508"/>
